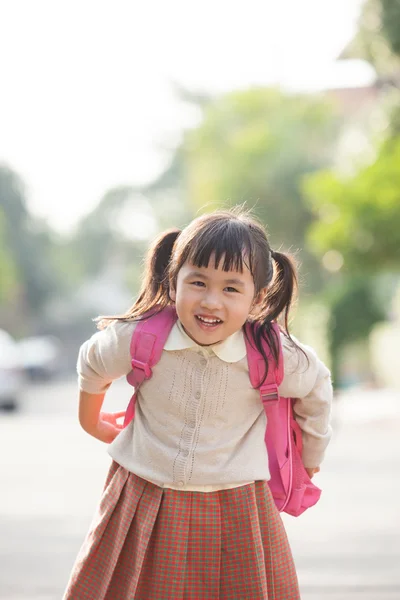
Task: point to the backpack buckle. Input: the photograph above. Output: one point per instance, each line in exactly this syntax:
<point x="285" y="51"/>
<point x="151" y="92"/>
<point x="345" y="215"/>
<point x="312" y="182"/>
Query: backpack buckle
<point x="138" y="364"/>
<point x="269" y="393"/>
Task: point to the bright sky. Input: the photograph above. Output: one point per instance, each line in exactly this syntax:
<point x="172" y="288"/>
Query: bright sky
<point x="86" y="96"/>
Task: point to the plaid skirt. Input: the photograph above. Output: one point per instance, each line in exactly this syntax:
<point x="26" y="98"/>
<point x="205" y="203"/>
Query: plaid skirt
<point x="153" y="543"/>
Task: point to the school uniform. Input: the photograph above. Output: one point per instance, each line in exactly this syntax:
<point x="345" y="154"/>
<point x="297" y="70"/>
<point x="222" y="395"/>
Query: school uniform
<point x="186" y="512"/>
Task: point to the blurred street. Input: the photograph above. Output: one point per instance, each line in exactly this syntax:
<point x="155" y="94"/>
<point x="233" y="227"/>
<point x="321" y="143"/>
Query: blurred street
<point x="348" y="547"/>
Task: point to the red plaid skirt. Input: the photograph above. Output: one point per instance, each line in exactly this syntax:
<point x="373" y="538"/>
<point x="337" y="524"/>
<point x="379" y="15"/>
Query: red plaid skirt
<point x="153" y="543"/>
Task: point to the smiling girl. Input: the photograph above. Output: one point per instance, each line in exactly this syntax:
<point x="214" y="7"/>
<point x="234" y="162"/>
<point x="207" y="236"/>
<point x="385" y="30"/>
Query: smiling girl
<point x="186" y="512"/>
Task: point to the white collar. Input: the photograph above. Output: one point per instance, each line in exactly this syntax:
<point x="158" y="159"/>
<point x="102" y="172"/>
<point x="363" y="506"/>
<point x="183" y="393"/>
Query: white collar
<point x="230" y="350"/>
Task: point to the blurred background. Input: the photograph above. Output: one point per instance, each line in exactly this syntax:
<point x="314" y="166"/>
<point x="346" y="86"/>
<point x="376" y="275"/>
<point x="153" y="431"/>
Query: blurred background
<point x="118" y="120"/>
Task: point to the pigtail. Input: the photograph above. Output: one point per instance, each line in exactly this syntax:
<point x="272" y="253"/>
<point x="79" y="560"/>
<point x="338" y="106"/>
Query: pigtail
<point x="154" y="292"/>
<point x="282" y="290"/>
<point x="281" y="293"/>
<point x="155" y="284"/>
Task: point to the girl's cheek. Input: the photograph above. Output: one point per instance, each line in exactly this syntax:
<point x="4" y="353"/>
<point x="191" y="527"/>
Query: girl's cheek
<point x="190" y="294"/>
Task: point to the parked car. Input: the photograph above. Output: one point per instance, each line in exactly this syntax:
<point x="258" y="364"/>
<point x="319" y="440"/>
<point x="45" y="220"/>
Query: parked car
<point x="40" y="356"/>
<point x="11" y="373"/>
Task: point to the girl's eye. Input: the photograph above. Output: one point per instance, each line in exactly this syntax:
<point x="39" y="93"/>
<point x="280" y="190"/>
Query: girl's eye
<point x="198" y="283"/>
<point x="231" y="289"/>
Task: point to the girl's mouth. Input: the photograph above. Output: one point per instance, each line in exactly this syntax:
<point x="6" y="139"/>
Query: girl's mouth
<point x="208" y="323"/>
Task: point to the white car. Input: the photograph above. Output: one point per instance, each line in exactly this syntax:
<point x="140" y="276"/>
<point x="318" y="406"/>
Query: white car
<point x="40" y="357"/>
<point x="11" y="373"/>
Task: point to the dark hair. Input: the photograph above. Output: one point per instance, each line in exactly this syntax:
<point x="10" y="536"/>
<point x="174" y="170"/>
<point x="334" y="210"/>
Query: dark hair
<point x="233" y="238"/>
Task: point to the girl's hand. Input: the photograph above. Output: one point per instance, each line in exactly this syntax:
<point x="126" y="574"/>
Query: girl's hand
<point x="311" y="471"/>
<point x="107" y="428"/>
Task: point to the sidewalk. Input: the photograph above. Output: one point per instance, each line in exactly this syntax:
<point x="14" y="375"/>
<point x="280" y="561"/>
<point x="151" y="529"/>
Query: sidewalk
<point x="348" y="546"/>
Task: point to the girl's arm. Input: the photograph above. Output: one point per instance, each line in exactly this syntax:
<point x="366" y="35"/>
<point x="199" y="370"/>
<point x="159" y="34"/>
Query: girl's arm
<point x="313" y="414"/>
<point x="102" y="426"/>
<point x="102" y="359"/>
<point x="308" y="380"/>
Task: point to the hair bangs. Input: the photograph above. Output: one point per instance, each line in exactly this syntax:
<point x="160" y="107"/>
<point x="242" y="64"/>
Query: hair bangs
<point x="225" y="244"/>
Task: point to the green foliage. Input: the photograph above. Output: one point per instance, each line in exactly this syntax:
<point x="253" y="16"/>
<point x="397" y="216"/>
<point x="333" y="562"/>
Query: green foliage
<point x="99" y="240"/>
<point x="27" y="243"/>
<point x="254" y="147"/>
<point x="375" y="42"/>
<point x="354" y="311"/>
<point x="391" y="23"/>
<point x="8" y="271"/>
<point x="359" y="217"/>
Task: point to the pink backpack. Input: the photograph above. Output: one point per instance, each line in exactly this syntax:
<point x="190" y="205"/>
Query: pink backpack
<point x="291" y="487"/>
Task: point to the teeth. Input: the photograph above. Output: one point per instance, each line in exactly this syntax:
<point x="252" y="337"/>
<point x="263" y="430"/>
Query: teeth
<point x="212" y="321"/>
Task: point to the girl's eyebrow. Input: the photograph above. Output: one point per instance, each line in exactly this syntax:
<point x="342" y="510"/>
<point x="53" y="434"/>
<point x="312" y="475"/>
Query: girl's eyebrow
<point x="196" y="274"/>
<point x="237" y="282"/>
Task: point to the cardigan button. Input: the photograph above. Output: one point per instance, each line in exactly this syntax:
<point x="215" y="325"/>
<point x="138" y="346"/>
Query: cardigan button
<point x="197" y="395"/>
<point x="181" y="483"/>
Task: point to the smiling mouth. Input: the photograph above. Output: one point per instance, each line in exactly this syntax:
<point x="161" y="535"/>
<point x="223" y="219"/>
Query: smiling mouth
<point x="209" y="321"/>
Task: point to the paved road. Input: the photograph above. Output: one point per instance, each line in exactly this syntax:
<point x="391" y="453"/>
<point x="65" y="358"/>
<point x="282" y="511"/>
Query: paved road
<point x="51" y="473"/>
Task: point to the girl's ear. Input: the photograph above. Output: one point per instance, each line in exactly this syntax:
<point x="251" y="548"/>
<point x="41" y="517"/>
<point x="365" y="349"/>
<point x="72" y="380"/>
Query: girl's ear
<point x="172" y="292"/>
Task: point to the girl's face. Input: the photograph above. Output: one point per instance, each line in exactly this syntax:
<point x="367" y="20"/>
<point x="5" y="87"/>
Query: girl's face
<point x="212" y="303"/>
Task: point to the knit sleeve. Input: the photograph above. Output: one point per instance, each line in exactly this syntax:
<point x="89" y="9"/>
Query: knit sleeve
<point x="105" y="357"/>
<point x="308" y="380"/>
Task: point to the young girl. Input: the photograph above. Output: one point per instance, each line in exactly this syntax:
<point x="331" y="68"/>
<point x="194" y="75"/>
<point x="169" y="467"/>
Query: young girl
<point x="186" y="512"/>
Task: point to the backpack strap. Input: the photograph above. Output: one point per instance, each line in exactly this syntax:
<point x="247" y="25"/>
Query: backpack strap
<point x="269" y="389"/>
<point x="147" y="343"/>
<point x="276" y="437"/>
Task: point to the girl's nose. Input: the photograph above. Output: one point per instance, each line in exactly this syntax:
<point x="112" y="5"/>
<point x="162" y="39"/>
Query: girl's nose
<point x="211" y="301"/>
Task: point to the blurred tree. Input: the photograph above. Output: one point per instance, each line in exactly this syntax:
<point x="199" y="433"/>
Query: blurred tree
<point x="359" y="217"/>
<point x="356" y="231"/>
<point x="255" y="146"/>
<point x="390" y="16"/>
<point x="354" y="309"/>
<point x="358" y="225"/>
<point x="27" y="242"/>
<point x="116" y="231"/>
<point x="8" y="271"/>
<point x="96" y="238"/>
<point x="377" y="40"/>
